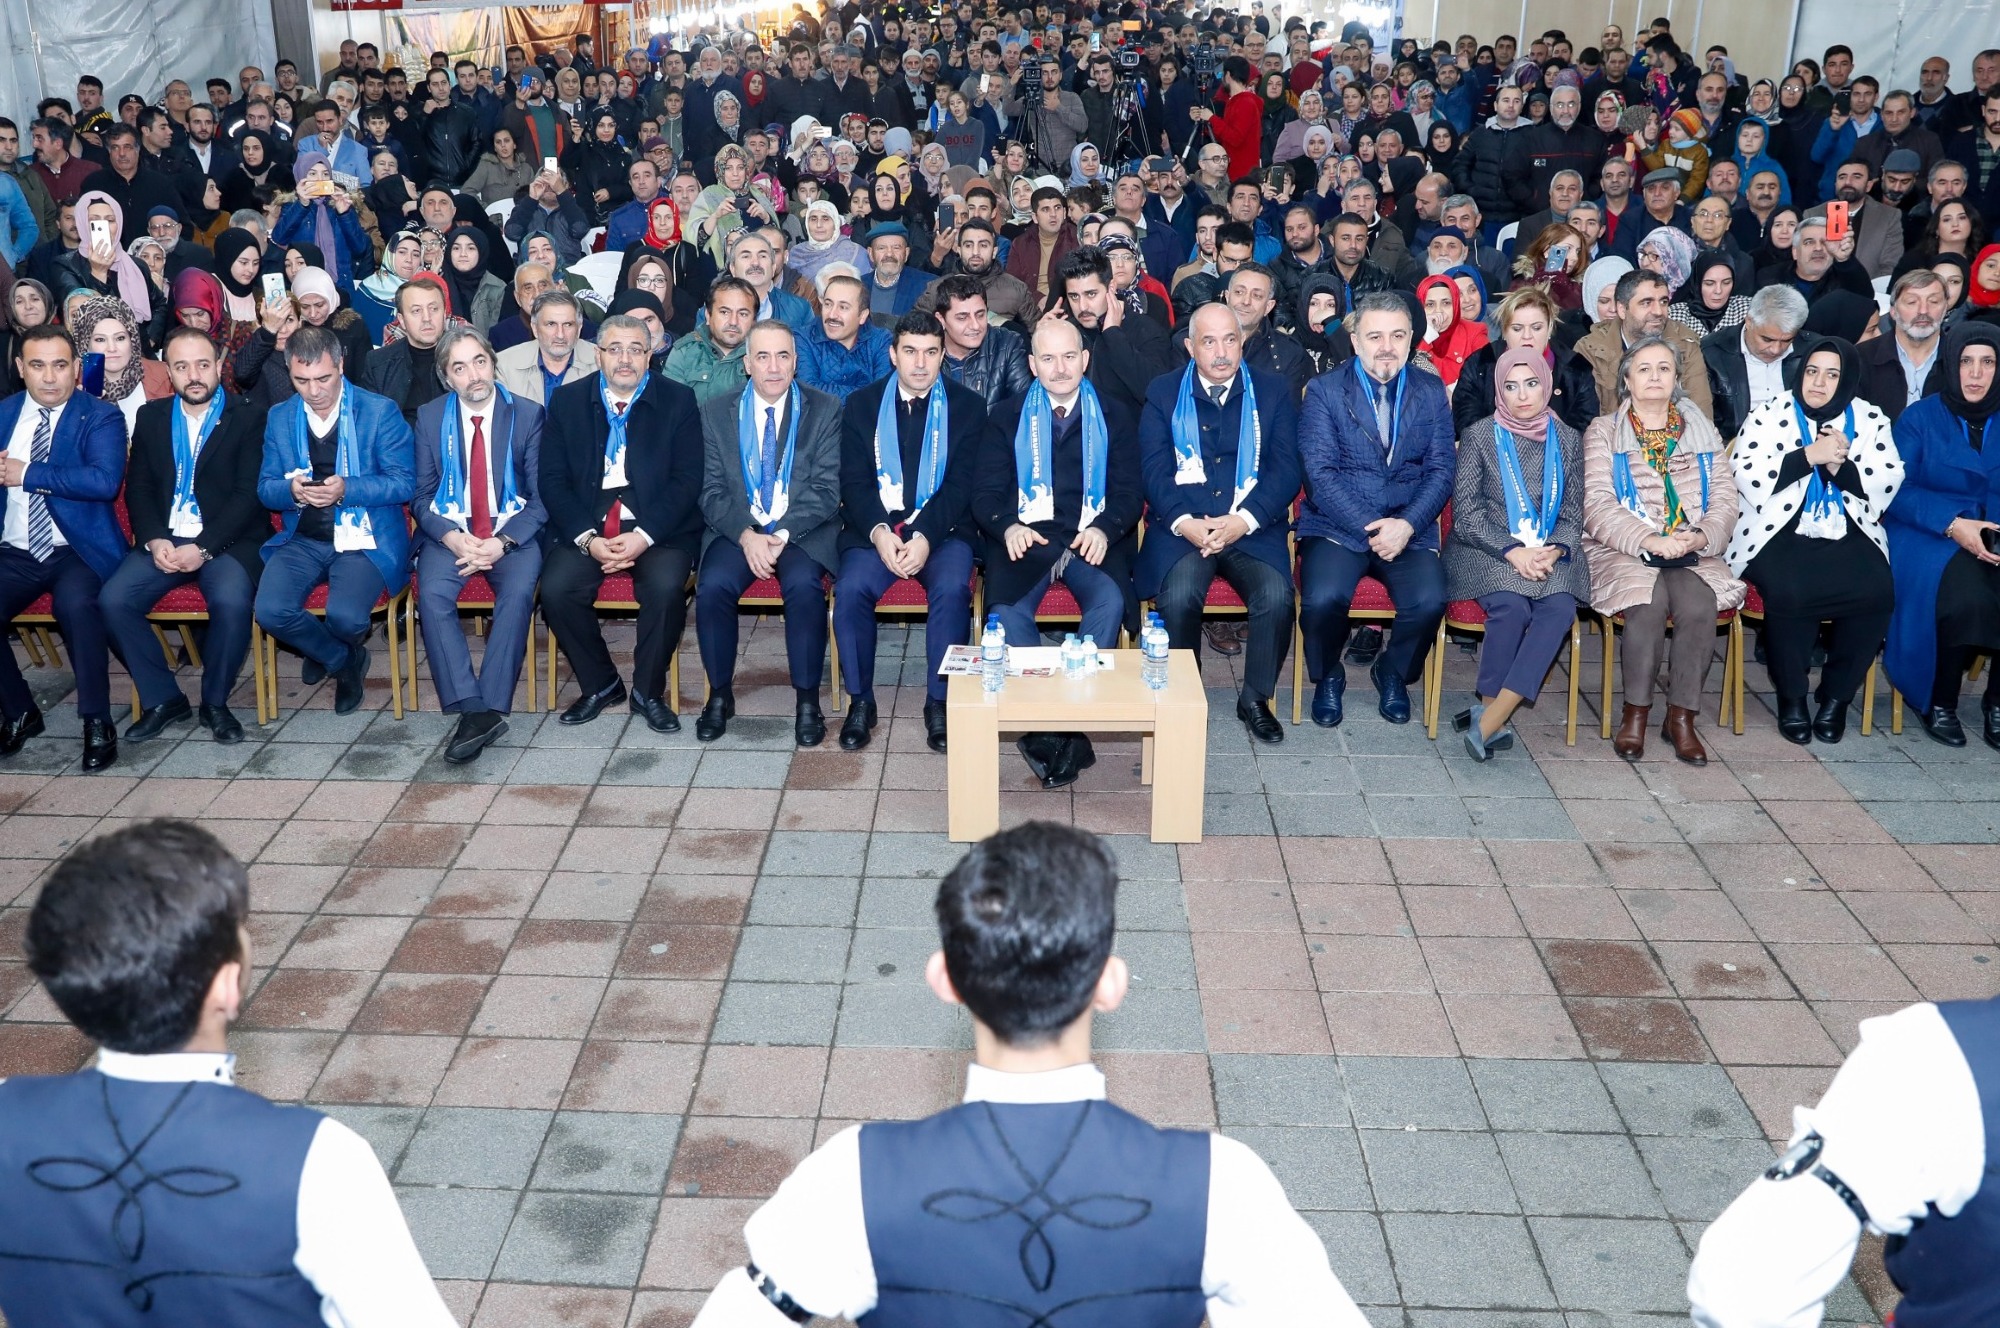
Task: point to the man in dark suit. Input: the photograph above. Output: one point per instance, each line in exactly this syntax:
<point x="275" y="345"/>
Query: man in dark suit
<point x="191" y="492"/>
<point x="1125" y="354"/>
<point x="64" y="462"/>
<point x="620" y="473"/>
<point x="1751" y="363"/>
<point x="1897" y="368"/>
<point x="479" y="513"/>
<point x="1057" y="496"/>
<point x="1219" y="489"/>
<point x="770" y="493"/>
<point x="1378" y="451"/>
<point x="904" y="498"/>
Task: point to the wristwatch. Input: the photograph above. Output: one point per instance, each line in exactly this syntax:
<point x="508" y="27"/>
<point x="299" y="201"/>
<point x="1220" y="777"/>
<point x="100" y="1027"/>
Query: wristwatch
<point x="582" y="541"/>
<point x="508" y="544"/>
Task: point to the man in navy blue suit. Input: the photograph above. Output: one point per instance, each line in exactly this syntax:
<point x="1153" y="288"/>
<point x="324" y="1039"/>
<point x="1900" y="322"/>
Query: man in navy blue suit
<point x="1378" y="450"/>
<point x="1219" y="489"/>
<point x="64" y="464"/>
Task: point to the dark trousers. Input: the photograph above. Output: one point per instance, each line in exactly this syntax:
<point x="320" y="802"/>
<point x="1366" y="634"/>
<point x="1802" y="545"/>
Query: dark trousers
<point x="1523" y="637"/>
<point x="1681" y="595"/>
<point x="67" y="579"/>
<point x="353" y="589"/>
<point x="1328" y="574"/>
<point x="571" y="579"/>
<point x="1952" y="663"/>
<point x="946" y="577"/>
<point x="136" y="587"/>
<point x="1099" y="597"/>
<point x="1852" y="641"/>
<point x="1266" y="590"/>
<point x="725" y="575"/>
<point x="459" y="686"/>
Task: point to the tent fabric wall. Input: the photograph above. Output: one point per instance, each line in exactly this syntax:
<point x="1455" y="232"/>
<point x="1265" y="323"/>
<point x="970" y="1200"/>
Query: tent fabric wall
<point x="1756" y="31"/>
<point x="1914" y="30"/>
<point x="133" y="45"/>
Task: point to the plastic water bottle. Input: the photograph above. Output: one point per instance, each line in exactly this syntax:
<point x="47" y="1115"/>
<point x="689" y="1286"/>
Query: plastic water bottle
<point x="993" y="655"/>
<point x="1072" y="656"/>
<point x="1089" y="655"/>
<point x="1153" y="654"/>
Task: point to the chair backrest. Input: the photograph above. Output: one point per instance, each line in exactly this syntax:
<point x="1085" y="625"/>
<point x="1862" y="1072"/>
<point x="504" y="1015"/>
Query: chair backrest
<point x="593" y="240"/>
<point x="500" y="211"/>
<point x="601" y="271"/>
<point x="1505" y="239"/>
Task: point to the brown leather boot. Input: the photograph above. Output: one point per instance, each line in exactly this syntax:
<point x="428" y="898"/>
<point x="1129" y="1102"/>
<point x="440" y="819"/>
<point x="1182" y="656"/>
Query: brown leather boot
<point x="1630" y="739"/>
<point x="1679" y="730"/>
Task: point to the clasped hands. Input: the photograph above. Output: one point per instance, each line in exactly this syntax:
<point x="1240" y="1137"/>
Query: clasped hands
<point x="617" y="553"/>
<point x="1534" y="564"/>
<point x="1090" y="544"/>
<point x="171" y="557"/>
<point x="474" y="554"/>
<point x="904" y="557"/>
<point x="1688" y="539"/>
<point x="1212" y="534"/>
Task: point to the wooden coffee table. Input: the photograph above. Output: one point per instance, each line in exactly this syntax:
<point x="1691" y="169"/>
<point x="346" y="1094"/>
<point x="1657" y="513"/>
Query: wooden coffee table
<point x="1173" y="722"/>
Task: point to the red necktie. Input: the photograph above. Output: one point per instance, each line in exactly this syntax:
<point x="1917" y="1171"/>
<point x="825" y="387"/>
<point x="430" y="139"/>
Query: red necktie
<point x="482" y="506"/>
<point x="611" y="517"/>
<point x="1059" y="412"/>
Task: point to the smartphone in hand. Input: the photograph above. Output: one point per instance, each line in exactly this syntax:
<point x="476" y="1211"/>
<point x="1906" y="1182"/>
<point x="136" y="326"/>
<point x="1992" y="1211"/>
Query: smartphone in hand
<point x="92" y="371"/>
<point x="274" y="287"/>
<point x="1837" y="221"/>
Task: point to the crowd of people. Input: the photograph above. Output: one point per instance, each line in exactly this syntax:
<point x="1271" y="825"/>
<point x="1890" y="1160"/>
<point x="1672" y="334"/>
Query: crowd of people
<point x="1015" y="300"/>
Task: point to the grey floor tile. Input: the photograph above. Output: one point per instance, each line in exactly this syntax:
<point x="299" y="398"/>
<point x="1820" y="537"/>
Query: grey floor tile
<point x="1466" y="1260"/>
<point x="1159" y="1019"/>
<point x="1322" y="773"/>
<point x="1420" y="818"/>
<point x="493" y="767"/>
<point x="326" y="726"/>
<point x="1151" y="906"/>
<point x="1508" y="775"/>
<point x="1140" y="859"/>
<point x="577" y="1239"/>
<point x="783" y="1014"/>
<point x="749" y="769"/>
<point x="1320" y="1166"/>
<point x="1358" y="1254"/>
<point x="381" y="760"/>
<point x="1430" y="1092"/>
<point x="791" y="954"/>
<point x="1876" y="781"/>
<point x="560" y="765"/>
<point x="1365" y="733"/>
<point x="1602" y="1264"/>
<point x="387" y="1129"/>
<point x="484" y="1147"/>
<point x="1544" y="1095"/>
<point x="198" y="760"/>
<point x="659" y="768"/>
<point x="897" y="902"/>
<point x="816" y="853"/>
<point x="904" y="1013"/>
<point x="883" y="956"/>
<point x="1235" y="814"/>
<point x="606" y="731"/>
<point x="1938" y="822"/>
<point x="286" y="759"/>
<point x="1697" y="1100"/>
<point x="1233" y="774"/>
<point x="754" y="733"/>
<point x="423" y="728"/>
<point x="1403" y="776"/>
<point x="804" y="901"/>
<point x="921" y="855"/>
<point x="459" y="1232"/>
<point x="1520" y="818"/>
<point x="1486" y="1319"/>
<point x="1699" y="1177"/>
<point x="1278" y="1090"/>
<point x="607" y="1152"/>
<point x="1437" y="1171"/>
<point x="1580" y="1175"/>
<point x="1345" y="815"/>
<point x="1158" y="959"/>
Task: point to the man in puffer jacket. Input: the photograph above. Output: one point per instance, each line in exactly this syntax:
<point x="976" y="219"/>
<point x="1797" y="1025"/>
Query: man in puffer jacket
<point x="1491" y="168"/>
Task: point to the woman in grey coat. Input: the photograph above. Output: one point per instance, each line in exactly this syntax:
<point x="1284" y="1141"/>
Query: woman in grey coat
<point x="1516" y="543"/>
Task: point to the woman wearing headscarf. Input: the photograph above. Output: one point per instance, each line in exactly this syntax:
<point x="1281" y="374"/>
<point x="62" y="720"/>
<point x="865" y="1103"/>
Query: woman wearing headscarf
<point x="1659" y="508"/>
<point x="1085" y="168"/>
<point x="260" y="375"/>
<point x="29" y="304"/>
<point x="475" y="292"/>
<point x="391" y="196"/>
<point x="151" y="256"/>
<point x="259" y="171"/>
<point x="1441" y="148"/>
<point x="375" y="296"/>
<point x="1474" y="301"/>
<point x="1528" y="319"/>
<point x="1708" y="300"/>
<point x="597" y="165"/>
<point x="1448" y="339"/>
<point x="725" y="129"/>
<point x="1775" y="253"/>
<point x="1753" y="154"/>
<point x="1516" y="542"/>
<point x="100" y="264"/>
<point x="1947" y="578"/>
<point x="1607" y="113"/>
<point x="324" y="213"/>
<point x="933" y="168"/>
<point x="1982" y="292"/>
<point x="105" y="325"/>
<point x="1956" y="274"/>
<point x="825" y="244"/>
<point x="1843" y="314"/>
<point x="315" y="302"/>
<point x="718" y="211"/>
<point x="1276" y="96"/>
<point x="1816" y="468"/>
<point x="1291" y="141"/>
<point x="1668" y="252"/>
<point x="689" y="271"/>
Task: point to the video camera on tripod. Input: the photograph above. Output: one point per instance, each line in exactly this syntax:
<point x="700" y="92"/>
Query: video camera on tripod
<point x="1203" y="65"/>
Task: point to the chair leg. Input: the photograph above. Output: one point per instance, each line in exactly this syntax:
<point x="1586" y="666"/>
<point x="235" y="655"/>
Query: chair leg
<point x="1978" y="664"/>
<point x="188" y="646"/>
<point x="1434" y="684"/>
<point x="1575" y="679"/>
<point x="410" y="644"/>
<point x="552" y="668"/>
<point x="28" y="644"/>
<point x="389" y="624"/>
<point x="264" y="706"/>
<point x="49" y="646"/>
<point x="833" y="650"/>
<point x="1868" y="701"/>
<point x="166" y="647"/>
<point x="1733" y="674"/>
<point x="1298" y="672"/>
<point x="1895" y="711"/>
<point x="1609" y="659"/>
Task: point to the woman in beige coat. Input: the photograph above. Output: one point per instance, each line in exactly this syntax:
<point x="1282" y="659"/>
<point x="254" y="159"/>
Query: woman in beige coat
<point x="1659" y="505"/>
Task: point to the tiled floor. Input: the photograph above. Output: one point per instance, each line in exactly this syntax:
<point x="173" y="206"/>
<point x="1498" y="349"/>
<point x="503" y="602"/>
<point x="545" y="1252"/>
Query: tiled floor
<point x="1510" y="1034"/>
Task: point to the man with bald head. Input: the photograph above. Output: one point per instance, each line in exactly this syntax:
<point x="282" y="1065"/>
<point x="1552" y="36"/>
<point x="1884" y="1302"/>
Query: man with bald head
<point x="1218" y="450"/>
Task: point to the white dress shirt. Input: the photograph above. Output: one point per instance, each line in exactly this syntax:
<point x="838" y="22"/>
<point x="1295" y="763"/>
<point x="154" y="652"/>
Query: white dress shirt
<point x="614" y="471"/>
<point x="774" y="412"/>
<point x="21" y="447"/>
<point x="1263" y="1267"/>
<point x="354" y="1246"/>
<point x="1903" y="1130"/>
<point x="186" y="525"/>
<point x="1766" y="380"/>
<point x="1219" y="394"/>
<point x="1914" y="372"/>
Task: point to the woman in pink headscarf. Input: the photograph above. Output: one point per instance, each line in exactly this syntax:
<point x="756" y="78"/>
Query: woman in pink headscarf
<point x="100" y="265"/>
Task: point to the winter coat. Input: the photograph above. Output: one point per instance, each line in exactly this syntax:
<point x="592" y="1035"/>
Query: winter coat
<point x="1475" y="552"/>
<point x="1483" y="171"/>
<point x="1604" y="346"/>
<point x="1760" y="448"/>
<point x="1943" y="479"/>
<point x="1612" y="534"/>
<point x="492" y="181"/>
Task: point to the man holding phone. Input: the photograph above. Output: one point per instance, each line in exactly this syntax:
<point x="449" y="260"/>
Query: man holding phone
<point x="1852" y="117"/>
<point x="1877" y="228"/>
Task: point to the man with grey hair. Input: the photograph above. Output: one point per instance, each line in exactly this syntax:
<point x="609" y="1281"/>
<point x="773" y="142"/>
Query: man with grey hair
<point x="478" y="513"/>
<point x="1642" y="301"/>
<point x="1816" y="266"/>
<point x="842" y="93"/>
<point x="1896" y="370"/>
<point x="557" y="355"/>
<point x="1564" y="193"/>
<point x="1565" y="142"/>
<point x="1748" y="365"/>
<point x="1461" y="213"/>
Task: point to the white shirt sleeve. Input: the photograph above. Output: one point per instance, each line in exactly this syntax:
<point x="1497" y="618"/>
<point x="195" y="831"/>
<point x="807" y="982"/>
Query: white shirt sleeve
<point x="1903" y="1130"/>
<point x="1264" y="1267"/>
<point x="354" y="1246"/>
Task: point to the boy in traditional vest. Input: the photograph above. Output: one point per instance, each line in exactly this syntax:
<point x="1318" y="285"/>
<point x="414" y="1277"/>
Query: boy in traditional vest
<point x="1036" y="1201"/>
<point x="148" y="1189"/>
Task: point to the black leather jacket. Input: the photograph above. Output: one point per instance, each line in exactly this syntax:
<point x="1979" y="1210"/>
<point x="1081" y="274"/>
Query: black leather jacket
<point x="997" y="370"/>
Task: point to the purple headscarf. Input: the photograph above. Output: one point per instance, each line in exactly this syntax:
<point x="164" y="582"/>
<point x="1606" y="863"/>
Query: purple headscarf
<point x="132" y="285"/>
<point x="322" y="214"/>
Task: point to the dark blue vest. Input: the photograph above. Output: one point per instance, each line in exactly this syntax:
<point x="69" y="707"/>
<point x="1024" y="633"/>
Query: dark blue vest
<point x="125" y="1203"/>
<point x="1948" y="1268"/>
<point x="1064" y="1215"/>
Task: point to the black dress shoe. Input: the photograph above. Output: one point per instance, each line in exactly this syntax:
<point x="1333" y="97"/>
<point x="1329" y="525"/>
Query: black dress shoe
<point x="153" y="721"/>
<point x="1257" y="717"/>
<point x="1392" y="691"/>
<point x="15" y="733"/>
<point x="1074" y="755"/>
<point x="1326" y="702"/>
<point x="808" y="724"/>
<point x="934" y="725"/>
<point x="715" y="717"/>
<point x="1040" y="751"/>
<point x="586" y="708"/>
<point x="351" y="683"/>
<point x="100" y="744"/>
<point x="859" y="725"/>
<point x="1794" y="722"/>
<point x="1990" y="729"/>
<point x="1364" y="645"/>
<point x="311" y="672"/>
<point x="1830" y="721"/>
<point x="223" y="726"/>
<point x="659" y="716"/>
<point x="1943" y="726"/>
<point x="477" y="730"/>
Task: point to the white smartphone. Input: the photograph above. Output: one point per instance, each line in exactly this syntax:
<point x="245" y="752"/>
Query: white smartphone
<point x="274" y="287"/>
<point x="549" y="164"/>
<point x="100" y="234"/>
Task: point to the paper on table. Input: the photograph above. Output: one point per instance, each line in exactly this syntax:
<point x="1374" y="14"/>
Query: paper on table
<point x="1022" y="662"/>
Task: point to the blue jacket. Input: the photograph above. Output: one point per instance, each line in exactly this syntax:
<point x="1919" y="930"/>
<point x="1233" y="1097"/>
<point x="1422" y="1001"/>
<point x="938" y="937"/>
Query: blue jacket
<point x="833" y="368"/>
<point x="82" y="477"/>
<point x="18" y="228"/>
<point x="787" y="308"/>
<point x="892" y="302"/>
<point x="1167" y="500"/>
<point x="296" y="225"/>
<point x="1348" y="480"/>
<point x="1943" y="479"/>
<point x="1832" y="147"/>
<point x="626" y="226"/>
<point x="386" y="482"/>
<point x="517" y="427"/>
